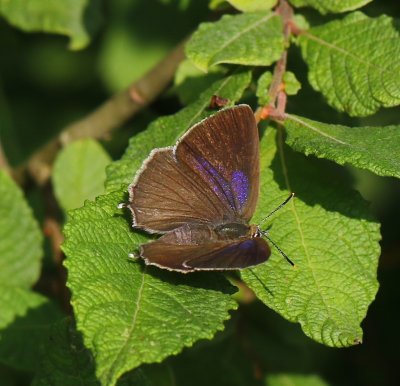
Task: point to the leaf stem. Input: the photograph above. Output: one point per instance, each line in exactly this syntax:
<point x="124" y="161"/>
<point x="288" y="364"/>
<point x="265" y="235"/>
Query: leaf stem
<point x="276" y="93"/>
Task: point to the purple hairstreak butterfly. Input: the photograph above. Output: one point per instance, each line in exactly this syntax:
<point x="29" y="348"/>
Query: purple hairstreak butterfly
<point x="200" y="195"/>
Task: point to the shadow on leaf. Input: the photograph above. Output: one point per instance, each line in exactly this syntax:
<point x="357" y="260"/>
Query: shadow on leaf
<point x="319" y="182"/>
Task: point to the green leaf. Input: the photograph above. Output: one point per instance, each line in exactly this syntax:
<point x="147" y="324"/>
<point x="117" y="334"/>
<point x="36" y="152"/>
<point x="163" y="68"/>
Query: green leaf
<point x="166" y="130"/>
<point x="263" y="83"/>
<point x="15" y="301"/>
<point x="328" y="233"/>
<point x="121" y="48"/>
<point x="65" y="359"/>
<point x="190" y="82"/>
<point x="301" y="22"/>
<point x="32" y="315"/>
<point x="373" y="148"/>
<point x="21" y="239"/>
<point x="294" y="380"/>
<point x="253" y="5"/>
<point x="67" y="362"/>
<point x="139" y="34"/>
<point x="130" y="313"/>
<point x="218" y="5"/>
<point x="65" y="17"/>
<point x="252" y="39"/>
<point x="292" y="85"/>
<point x="334" y="6"/>
<point x="355" y="63"/>
<point x="79" y="173"/>
<point x="24" y="314"/>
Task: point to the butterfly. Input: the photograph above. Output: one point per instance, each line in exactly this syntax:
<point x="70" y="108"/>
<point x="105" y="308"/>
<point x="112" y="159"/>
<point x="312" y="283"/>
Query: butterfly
<point x="200" y="196"/>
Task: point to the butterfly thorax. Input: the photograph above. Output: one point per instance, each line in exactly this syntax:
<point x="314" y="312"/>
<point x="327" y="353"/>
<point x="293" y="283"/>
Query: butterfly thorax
<point x="232" y="231"/>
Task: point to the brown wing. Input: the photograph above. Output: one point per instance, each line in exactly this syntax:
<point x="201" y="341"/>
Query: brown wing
<point x="223" y="151"/>
<point x="182" y="254"/>
<point x="236" y="255"/>
<point x="210" y="176"/>
<point x="166" y="195"/>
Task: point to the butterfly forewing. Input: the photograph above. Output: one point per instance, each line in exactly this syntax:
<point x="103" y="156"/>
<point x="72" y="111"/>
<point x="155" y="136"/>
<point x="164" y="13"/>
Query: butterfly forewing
<point x="223" y="152"/>
<point x="166" y="195"/>
<point x="210" y="176"/>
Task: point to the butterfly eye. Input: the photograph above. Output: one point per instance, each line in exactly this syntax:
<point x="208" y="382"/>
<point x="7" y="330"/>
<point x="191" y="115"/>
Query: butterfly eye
<point x="257" y="233"/>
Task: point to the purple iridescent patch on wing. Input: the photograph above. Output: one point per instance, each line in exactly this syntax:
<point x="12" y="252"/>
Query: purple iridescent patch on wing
<point x="240" y="186"/>
<point x="246" y="244"/>
<point x="220" y="186"/>
<point x="234" y="192"/>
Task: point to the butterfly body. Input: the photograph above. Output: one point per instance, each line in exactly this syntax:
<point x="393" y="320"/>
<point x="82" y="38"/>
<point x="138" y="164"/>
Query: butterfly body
<point x="232" y="231"/>
<point x="200" y="195"/>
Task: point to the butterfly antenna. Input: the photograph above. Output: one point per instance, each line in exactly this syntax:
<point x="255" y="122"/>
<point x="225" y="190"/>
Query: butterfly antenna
<point x="276" y="209"/>
<point x="265" y="234"/>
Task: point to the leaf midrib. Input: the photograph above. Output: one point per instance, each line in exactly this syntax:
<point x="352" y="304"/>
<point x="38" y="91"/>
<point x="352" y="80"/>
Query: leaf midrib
<point x="306" y="124"/>
<point x="337" y="48"/>
<point x="298" y="222"/>
<point x="123" y="348"/>
<point x="140" y="293"/>
<point x="241" y="33"/>
<point x="355" y="147"/>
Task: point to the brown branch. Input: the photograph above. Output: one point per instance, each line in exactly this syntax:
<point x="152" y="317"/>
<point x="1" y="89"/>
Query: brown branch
<point x="109" y="116"/>
<point x="4" y="165"/>
<point x="276" y="92"/>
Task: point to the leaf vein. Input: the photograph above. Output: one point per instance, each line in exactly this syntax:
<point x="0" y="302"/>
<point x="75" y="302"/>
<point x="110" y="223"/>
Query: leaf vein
<point x="123" y="348"/>
<point x="298" y="120"/>
<point x="240" y="33"/>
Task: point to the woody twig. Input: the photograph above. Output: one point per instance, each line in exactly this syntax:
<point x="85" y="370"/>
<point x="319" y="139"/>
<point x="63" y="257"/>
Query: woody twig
<point x="111" y="115"/>
<point x="277" y="97"/>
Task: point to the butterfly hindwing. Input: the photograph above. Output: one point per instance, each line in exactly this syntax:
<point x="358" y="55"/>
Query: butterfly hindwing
<point x="215" y="255"/>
